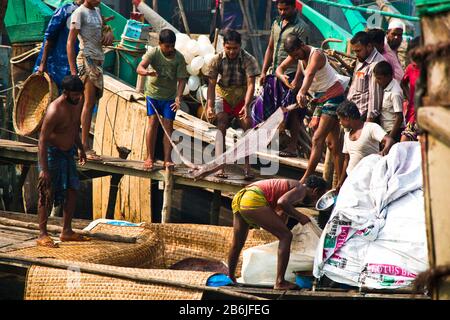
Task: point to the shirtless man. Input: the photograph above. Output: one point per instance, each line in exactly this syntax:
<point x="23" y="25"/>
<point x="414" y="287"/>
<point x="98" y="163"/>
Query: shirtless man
<point x="58" y="143"/>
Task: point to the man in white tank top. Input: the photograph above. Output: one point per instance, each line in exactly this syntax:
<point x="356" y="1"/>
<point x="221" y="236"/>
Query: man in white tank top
<point x="322" y="83"/>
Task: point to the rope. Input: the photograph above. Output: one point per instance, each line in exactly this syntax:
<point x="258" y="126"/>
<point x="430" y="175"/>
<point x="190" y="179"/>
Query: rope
<point x="26" y="55"/>
<point x="18" y="134"/>
<point x="10" y="88"/>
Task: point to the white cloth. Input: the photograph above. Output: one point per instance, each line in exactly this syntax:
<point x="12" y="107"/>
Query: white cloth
<point x="89" y="24"/>
<point x="396" y="24"/>
<point x="367" y="143"/>
<point x="324" y="77"/>
<point x="392" y="103"/>
<point x="376" y="233"/>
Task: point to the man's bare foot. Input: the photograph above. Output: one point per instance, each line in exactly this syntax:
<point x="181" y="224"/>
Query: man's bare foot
<point x="46" y="241"/>
<point x="169" y="164"/>
<point x="73" y="237"/>
<point x="92" y="155"/>
<point x="221" y="175"/>
<point x="285" y="285"/>
<point x="248" y="175"/>
<point x="148" y="164"/>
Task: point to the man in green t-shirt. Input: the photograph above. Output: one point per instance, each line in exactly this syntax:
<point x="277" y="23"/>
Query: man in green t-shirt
<point x="162" y="92"/>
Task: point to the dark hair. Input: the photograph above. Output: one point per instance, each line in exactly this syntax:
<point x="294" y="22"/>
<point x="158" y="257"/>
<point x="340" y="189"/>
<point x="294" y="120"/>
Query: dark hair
<point x="167" y="36"/>
<point x="376" y="36"/>
<point x="360" y="37"/>
<point x="414" y="43"/>
<point x="72" y="84"/>
<point x="287" y="2"/>
<point x="348" y="109"/>
<point x="314" y="182"/>
<point x="292" y="42"/>
<point x="383" y="68"/>
<point x="231" y="36"/>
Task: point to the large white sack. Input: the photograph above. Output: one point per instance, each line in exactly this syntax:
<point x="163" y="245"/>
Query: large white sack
<point x="259" y="265"/>
<point x="376" y="233"/>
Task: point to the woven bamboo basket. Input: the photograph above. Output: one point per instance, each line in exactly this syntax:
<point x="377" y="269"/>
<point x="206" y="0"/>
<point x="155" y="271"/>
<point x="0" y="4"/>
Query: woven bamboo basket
<point x="37" y="93"/>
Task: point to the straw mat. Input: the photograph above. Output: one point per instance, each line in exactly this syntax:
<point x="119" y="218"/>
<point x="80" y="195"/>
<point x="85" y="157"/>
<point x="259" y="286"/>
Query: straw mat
<point x="58" y="284"/>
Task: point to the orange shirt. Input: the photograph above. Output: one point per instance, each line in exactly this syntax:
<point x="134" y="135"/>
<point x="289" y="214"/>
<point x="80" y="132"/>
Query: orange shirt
<point x="273" y="189"/>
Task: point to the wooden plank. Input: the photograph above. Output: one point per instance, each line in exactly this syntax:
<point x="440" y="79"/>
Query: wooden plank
<point x="435" y="120"/>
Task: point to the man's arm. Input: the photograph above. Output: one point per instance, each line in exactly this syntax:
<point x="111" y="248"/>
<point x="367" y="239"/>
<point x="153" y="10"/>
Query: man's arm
<point x="48" y="125"/>
<point x="343" y="172"/>
<point x="71" y="55"/>
<point x="317" y="61"/>
<point x="287" y="200"/>
<point x="388" y="142"/>
<point x="142" y="69"/>
<point x="281" y="69"/>
<point x="248" y="97"/>
<point x="47" y="47"/>
<point x="267" y="61"/>
<point x="375" y="99"/>
<point x="211" y="98"/>
<point x="397" y="125"/>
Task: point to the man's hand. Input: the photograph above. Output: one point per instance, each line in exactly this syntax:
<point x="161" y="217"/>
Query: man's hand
<point x="302" y="99"/>
<point x="108" y="38"/>
<point x="176" y="105"/>
<point x="303" y="219"/>
<point x="82" y="157"/>
<point x="41" y="69"/>
<point x="152" y="73"/>
<point x="296" y="84"/>
<point x="285" y="80"/>
<point x="243" y="114"/>
<point x="262" y="80"/>
<point x="210" y="114"/>
<point x="44" y="179"/>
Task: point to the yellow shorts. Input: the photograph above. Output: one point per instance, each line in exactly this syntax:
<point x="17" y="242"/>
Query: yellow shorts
<point x="249" y="199"/>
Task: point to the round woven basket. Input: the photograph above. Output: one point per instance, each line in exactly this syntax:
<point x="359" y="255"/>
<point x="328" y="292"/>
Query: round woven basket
<point x="37" y="93"/>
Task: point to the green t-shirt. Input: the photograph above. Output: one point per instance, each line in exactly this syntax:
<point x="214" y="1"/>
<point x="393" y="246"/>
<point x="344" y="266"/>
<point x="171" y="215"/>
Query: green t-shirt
<point x="164" y="86"/>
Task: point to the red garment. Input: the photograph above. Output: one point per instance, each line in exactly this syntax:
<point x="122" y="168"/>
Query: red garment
<point x="412" y="73"/>
<point x="233" y="111"/>
<point x="273" y="189"/>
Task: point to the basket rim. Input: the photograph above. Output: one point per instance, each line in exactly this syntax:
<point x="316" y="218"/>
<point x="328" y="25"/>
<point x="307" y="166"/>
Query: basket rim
<point x="51" y="86"/>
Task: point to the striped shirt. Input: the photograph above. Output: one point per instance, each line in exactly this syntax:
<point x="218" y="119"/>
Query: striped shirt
<point x="233" y="72"/>
<point x="364" y="90"/>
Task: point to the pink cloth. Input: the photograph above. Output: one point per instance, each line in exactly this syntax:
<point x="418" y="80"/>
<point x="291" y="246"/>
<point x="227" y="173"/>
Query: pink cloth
<point x="273" y="189"/>
<point x="412" y="73"/>
<point x="392" y="58"/>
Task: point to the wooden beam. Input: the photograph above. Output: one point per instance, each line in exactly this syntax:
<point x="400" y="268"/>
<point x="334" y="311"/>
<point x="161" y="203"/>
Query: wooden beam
<point x="435" y="120"/>
<point x="167" y="196"/>
<point x="183" y="17"/>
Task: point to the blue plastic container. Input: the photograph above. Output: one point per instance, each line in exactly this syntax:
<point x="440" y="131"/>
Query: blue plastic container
<point x="133" y="29"/>
<point x="304" y="282"/>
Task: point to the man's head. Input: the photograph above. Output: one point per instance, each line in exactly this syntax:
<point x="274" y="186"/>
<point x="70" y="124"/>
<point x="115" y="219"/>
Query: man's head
<point x="376" y="38"/>
<point x="317" y="187"/>
<point x="348" y="114"/>
<point x="394" y="34"/>
<point x="92" y="3"/>
<point x="295" y="47"/>
<point x="361" y="45"/>
<point x="72" y="89"/>
<point x="414" y="43"/>
<point x="383" y="73"/>
<point x="232" y="43"/>
<point x="167" y="41"/>
<point x="286" y="8"/>
<point x="79" y="2"/>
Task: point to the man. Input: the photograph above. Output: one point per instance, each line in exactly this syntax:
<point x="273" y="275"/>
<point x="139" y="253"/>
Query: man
<point x="394" y="36"/>
<point x="391" y="114"/>
<point x="163" y="92"/>
<point x="378" y="39"/>
<point x="364" y="90"/>
<point x="276" y="93"/>
<point x="321" y="81"/>
<point x="230" y="97"/>
<point x="268" y="203"/>
<point x="58" y="143"/>
<point x="87" y="25"/>
<point x="53" y="55"/>
<point x="362" y="139"/>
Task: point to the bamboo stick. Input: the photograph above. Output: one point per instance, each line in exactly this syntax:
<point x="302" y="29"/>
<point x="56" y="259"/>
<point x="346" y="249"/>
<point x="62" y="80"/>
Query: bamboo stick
<point x="167" y="197"/>
<point x="53" y="263"/>
<point x="30" y="226"/>
<point x="183" y="17"/>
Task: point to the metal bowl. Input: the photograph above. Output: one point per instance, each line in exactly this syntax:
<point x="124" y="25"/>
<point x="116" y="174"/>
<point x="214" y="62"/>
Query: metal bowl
<point x="327" y="200"/>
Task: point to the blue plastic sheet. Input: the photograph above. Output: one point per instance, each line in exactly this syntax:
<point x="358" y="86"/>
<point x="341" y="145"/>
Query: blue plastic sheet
<point x="219" y="280"/>
<point x="57" y="64"/>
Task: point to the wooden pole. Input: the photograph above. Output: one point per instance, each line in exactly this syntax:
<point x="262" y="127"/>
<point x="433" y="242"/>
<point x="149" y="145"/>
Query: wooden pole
<point x="167" y="196"/>
<point x="215" y="208"/>
<point x="31" y="227"/>
<point x="183" y="17"/>
<point x="93" y="269"/>
<point x="155" y="5"/>
<point x="17" y="195"/>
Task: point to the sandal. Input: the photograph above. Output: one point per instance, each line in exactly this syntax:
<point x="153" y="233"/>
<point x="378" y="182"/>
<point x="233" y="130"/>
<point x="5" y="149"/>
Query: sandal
<point x="46" y="242"/>
<point x="288" y="154"/>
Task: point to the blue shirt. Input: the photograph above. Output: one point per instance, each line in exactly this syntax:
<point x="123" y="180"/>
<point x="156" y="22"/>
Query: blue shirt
<point x="58" y="31"/>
